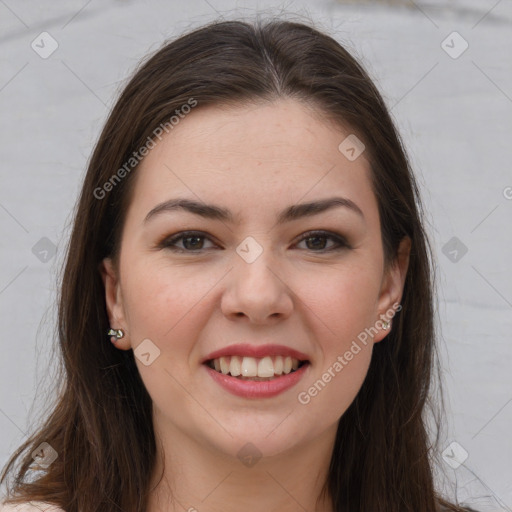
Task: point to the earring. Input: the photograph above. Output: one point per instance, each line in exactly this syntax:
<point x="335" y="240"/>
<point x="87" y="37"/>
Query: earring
<point x="115" y="334"/>
<point x="385" y="325"/>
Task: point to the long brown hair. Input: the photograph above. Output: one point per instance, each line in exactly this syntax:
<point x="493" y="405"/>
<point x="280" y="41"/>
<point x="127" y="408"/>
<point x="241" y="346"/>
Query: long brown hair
<point x="101" y="425"/>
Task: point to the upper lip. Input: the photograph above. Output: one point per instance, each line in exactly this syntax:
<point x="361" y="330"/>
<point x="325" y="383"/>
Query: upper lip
<point x="257" y="351"/>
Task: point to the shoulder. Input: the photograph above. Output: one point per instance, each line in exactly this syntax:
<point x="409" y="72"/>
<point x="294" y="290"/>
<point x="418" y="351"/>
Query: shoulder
<point x="31" y="506"/>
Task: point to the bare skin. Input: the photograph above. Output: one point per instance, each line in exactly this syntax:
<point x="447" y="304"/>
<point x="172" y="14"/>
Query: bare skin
<point x="255" y="161"/>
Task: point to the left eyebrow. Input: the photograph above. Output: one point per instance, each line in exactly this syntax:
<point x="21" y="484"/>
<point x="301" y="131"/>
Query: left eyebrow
<point x="290" y="213"/>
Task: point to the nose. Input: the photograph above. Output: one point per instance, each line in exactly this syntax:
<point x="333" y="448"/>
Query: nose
<point x="257" y="291"/>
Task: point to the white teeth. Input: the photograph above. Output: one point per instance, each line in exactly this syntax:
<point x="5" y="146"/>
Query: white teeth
<point x="224" y="365"/>
<point x="278" y="365"/>
<point x="287" y="367"/>
<point x="247" y="367"/>
<point x="235" y="366"/>
<point x="266" y="367"/>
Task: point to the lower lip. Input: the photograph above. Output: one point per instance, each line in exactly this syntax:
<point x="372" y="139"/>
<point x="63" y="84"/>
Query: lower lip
<point x="258" y="389"/>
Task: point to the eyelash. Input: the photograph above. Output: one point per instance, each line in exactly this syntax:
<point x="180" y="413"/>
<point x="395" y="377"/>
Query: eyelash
<point x="167" y="243"/>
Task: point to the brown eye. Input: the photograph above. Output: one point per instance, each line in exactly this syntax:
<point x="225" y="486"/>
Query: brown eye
<point x="192" y="241"/>
<point x="316" y="241"/>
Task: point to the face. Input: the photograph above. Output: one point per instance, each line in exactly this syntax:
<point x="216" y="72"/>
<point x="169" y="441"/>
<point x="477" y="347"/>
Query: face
<point x="252" y="276"/>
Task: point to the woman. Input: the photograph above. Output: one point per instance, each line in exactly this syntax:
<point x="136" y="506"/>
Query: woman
<point x="246" y="312"/>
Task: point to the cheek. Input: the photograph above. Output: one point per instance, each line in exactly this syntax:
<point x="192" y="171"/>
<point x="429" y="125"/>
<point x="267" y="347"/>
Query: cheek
<point x="169" y="308"/>
<point x="341" y="301"/>
<point x="349" y="369"/>
<point x="335" y="383"/>
<point x="158" y="298"/>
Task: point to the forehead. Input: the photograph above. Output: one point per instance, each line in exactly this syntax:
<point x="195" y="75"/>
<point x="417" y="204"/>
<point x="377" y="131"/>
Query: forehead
<point x="254" y="156"/>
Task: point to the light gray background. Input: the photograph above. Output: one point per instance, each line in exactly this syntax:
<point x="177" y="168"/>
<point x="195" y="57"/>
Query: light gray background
<point x="455" y="115"/>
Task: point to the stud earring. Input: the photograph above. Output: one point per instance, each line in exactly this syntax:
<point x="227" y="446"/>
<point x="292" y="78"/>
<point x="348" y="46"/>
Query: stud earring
<point x="385" y="325"/>
<point x="115" y="334"/>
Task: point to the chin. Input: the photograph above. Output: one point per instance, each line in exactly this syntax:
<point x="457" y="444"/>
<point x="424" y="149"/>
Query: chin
<point x="256" y="436"/>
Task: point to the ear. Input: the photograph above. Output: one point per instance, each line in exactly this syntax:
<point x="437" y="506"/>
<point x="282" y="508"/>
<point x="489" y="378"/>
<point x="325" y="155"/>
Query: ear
<point x="392" y="289"/>
<point x="114" y="300"/>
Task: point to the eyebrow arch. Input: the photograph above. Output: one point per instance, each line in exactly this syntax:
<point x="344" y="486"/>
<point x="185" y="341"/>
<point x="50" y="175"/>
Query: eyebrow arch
<point x="291" y="213"/>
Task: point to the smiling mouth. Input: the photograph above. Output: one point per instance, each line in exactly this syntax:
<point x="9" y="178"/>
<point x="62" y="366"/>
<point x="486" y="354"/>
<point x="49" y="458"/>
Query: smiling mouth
<point x="254" y="368"/>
